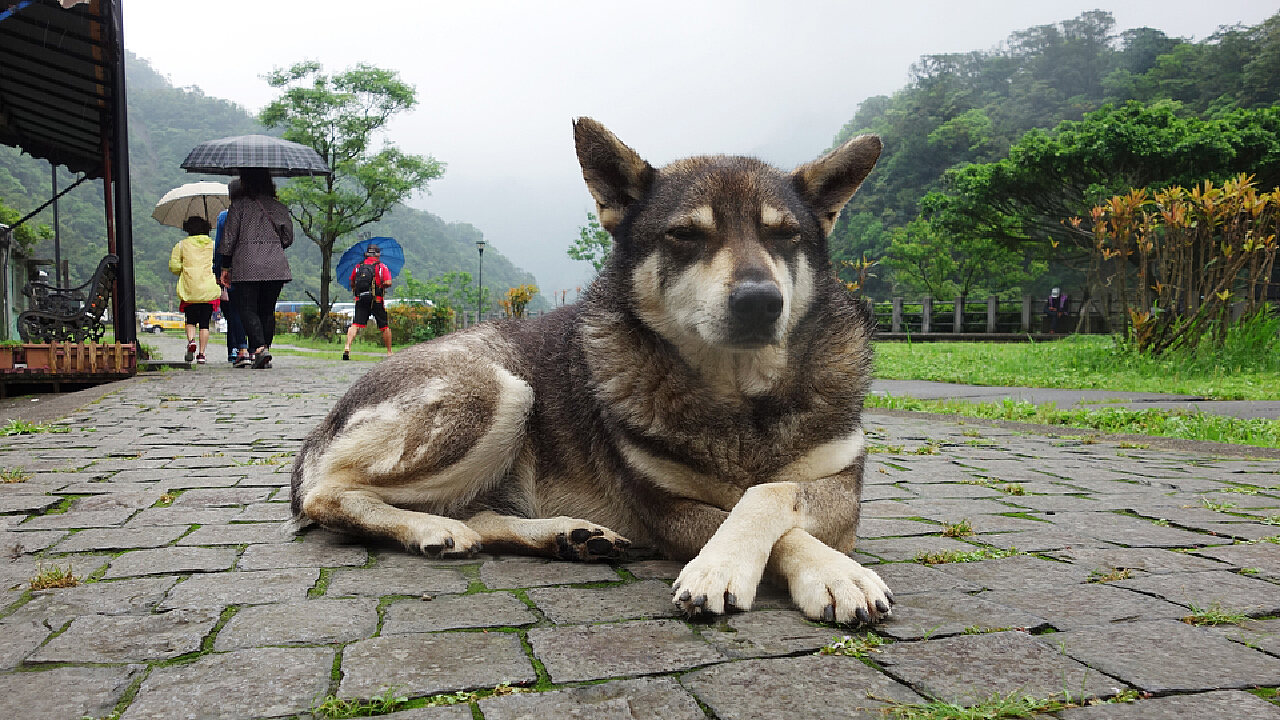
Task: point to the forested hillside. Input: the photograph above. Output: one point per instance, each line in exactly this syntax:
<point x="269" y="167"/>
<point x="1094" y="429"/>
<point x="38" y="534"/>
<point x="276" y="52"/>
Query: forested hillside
<point x="971" y="108"/>
<point x="164" y="124"/>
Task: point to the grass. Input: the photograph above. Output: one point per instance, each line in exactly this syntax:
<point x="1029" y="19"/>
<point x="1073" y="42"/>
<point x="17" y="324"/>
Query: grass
<point x="942" y="557"/>
<point x="852" y="646"/>
<point x="1097" y="576"/>
<point x="336" y="707"/>
<point x="22" y="427"/>
<point x="1150" y="421"/>
<point x="1213" y="616"/>
<point x="1246" y="367"/>
<point x="958" y="529"/>
<point x="10" y="476"/>
<point x="47" y="578"/>
<point x="996" y="707"/>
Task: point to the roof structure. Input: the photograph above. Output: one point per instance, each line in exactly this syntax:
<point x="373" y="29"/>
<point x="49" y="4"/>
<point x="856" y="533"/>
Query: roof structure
<point x="57" y="62"/>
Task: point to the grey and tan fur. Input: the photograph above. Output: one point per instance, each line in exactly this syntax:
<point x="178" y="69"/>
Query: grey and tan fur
<point x="704" y="399"/>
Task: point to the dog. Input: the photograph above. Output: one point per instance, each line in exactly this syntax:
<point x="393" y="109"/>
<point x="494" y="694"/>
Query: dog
<point x="704" y="399"/>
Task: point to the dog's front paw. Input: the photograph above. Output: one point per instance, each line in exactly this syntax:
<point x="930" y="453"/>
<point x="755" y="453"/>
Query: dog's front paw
<point x="590" y="542"/>
<point x="840" y="590"/>
<point x="715" y="585"/>
<point x="444" y="538"/>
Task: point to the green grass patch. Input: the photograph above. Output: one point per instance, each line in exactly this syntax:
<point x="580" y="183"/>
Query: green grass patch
<point x="1150" y="421"/>
<point x="852" y="645"/>
<point x="942" y="557"/>
<point x="997" y="707"/>
<point x="336" y="707"/>
<point x="1247" y="367"/>
<point x="1213" y="616"/>
<point x="10" y="476"/>
<point x="22" y="427"/>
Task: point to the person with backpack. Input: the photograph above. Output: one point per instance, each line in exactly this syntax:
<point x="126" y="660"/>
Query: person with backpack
<point x="369" y="282"/>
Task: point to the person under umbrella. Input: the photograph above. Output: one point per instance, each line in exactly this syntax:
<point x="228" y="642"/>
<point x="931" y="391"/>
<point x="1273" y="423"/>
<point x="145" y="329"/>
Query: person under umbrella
<point x="369" y="282"/>
<point x="257" y="232"/>
<point x="237" y="341"/>
<point x="192" y="261"/>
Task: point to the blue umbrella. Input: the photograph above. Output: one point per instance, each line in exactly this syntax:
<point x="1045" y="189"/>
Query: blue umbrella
<point x="392" y="257"/>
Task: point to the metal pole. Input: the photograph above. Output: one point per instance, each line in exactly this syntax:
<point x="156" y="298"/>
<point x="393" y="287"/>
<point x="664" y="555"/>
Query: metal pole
<point x="480" y="290"/>
<point x="57" y="232"/>
<point x="125" y="321"/>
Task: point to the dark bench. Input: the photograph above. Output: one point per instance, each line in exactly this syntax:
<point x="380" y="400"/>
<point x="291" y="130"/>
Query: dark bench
<point x="69" y="314"/>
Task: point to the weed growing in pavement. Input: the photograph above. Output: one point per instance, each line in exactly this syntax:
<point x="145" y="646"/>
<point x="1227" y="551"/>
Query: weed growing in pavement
<point x="1013" y="489"/>
<point x="879" y="448"/>
<point x="996" y="706"/>
<point x="852" y="645"/>
<point x="1097" y="576"/>
<point x="1161" y="522"/>
<point x="1133" y="446"/>
<point x="1216" y="506"/>
<point x="962" y="556"/>
<point x="22" y="427"/>
<point x="1213" y="616"/>
<point x="53" y="577"/>
<point x="333" y="707"/>
<point x="15" y="475"/>
<point x="959" y="529"/>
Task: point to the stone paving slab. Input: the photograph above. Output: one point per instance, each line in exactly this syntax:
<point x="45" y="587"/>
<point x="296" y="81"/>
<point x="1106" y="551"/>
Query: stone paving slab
<point x="645" y="647"/>
<point x="968" y="669"/>
<point x="804" y="688"/>
<point x="215" y="685"/>
<point x="1221" y="705"/>
<point x="432" y="663"/>
<point x="1215" y="588"/>
<point x="262" y="624"/>
<point x="1166" y="656"/>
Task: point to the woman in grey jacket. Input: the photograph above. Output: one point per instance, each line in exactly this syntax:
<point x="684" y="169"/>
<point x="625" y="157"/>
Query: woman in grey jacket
<point x="257" y="232"/>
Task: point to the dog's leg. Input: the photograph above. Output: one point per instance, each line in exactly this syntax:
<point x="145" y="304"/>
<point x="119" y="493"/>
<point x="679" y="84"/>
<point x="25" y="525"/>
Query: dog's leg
<point x="352" y="507"/>
<point x="727" y="571"/>
<point x="825" y="583"/>
<point x="564" y="538"/>
<point x="434" y="446"/>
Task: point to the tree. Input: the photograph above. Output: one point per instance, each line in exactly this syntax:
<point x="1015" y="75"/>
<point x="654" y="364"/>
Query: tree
<point x="339" y="116"/>
<point x="593" y="243"/>
<point x="1049" y="177"/>
<point x="926" y="258"/>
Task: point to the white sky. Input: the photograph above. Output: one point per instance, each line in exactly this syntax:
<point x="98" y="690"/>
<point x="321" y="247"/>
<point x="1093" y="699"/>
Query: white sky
<point x="499" y="82"/>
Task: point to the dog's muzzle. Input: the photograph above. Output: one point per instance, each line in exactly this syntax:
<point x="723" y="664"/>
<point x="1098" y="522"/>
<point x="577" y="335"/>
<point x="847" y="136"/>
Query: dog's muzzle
<point x="754" y="309"/>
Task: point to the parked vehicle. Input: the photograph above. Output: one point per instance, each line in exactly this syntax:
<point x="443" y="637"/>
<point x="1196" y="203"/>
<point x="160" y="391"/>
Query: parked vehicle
<point x="158" y="322"/>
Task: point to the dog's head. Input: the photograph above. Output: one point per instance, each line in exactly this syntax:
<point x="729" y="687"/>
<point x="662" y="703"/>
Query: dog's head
<point x="719" y="252"/>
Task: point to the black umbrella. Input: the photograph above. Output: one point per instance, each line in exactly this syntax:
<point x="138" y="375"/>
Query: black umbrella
<point x="230" y="155"/>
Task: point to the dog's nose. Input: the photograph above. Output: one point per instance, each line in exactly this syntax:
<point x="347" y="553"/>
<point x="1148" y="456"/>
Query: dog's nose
<point x="755" y="303"/>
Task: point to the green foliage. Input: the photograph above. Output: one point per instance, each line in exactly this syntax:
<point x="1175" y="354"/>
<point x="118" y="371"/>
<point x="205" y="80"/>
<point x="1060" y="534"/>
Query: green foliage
<point x="22" y="427"/>
<point x="339" y="115"/>
<point x="593" y="243"/>
<point x="852" y="645"/>
<point x="963" y="556"/>
<point x="334" y="707"/>
<point x="1214" y="616"/>
<point x="930" y="260"/>
<point x="448" y="290"/>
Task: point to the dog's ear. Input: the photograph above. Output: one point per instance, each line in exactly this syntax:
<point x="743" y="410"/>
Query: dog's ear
<point x="616" y="175"/>
<point x="827" y="183"/>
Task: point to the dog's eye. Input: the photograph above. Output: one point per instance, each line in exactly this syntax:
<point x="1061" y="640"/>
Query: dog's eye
<point x="687" y="234"/>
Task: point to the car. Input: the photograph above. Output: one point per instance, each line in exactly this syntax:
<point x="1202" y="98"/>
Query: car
<point x="158" y="322"/>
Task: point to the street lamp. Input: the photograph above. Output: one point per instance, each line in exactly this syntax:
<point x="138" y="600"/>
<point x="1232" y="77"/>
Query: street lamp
<point x="480" y="283"/>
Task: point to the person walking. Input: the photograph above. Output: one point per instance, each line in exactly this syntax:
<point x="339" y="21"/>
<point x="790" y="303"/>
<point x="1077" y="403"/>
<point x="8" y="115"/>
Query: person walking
<point x="198" y="291"/>
<point x="258" y="231"/>
<point x="369" y="282"/>
<point x="237" y="342"/>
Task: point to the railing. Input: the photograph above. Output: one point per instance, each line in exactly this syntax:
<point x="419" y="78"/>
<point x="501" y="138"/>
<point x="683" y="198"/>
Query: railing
<point x="928" y="316"/>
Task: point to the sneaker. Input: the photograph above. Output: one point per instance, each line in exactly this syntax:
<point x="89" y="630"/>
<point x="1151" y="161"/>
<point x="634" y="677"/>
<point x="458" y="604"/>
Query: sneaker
<point x="232" y="358"/>
<point x="200" y="359"/>
<point x="243" y="361"/>
<point x="262" y="360"/>
<point x="191" y="351"/>
<point x="346" y="355"/>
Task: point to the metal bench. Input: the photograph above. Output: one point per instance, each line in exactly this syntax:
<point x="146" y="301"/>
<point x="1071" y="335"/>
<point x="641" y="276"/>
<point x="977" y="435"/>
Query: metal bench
<point x="69" y="314"/>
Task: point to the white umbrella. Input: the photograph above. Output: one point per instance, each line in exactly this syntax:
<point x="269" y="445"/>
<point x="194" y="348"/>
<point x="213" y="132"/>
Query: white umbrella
<point x="205" y="199"/>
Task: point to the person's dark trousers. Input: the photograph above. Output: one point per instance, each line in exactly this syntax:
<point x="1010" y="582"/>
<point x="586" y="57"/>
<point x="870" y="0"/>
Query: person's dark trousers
<point x="257" y="304"/>
<point x="236" y="338"/>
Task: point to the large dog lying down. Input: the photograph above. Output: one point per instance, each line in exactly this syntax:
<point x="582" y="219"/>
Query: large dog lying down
<point x="704" y="399"/>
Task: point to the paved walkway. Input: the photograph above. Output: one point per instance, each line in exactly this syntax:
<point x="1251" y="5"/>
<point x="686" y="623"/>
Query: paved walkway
<point x="168" y="493"/>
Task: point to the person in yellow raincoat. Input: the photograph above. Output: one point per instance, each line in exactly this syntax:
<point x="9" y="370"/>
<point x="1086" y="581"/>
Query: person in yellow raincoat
<point x="198" y="290"/>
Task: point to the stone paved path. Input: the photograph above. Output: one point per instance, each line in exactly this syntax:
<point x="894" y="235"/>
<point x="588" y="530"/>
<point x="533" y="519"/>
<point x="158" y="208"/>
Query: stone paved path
<point x="167" y="497"/>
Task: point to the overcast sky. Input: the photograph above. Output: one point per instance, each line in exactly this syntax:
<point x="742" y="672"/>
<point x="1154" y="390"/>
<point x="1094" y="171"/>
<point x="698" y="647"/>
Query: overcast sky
<point x="499" y="82"/>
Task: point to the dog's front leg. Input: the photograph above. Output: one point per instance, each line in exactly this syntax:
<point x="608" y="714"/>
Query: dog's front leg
<point x="727" y="571"/>
<point x="827" y="584"/>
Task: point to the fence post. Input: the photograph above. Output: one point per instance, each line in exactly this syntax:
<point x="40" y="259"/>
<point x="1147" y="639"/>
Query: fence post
<point x="926" y="313"/>
<point x="896" y="321"/>
<point x="1237" y="311"/>
<point x="992" y="305"/>
<point x="957" y="324"/>
<point x="1026" y="313"/>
